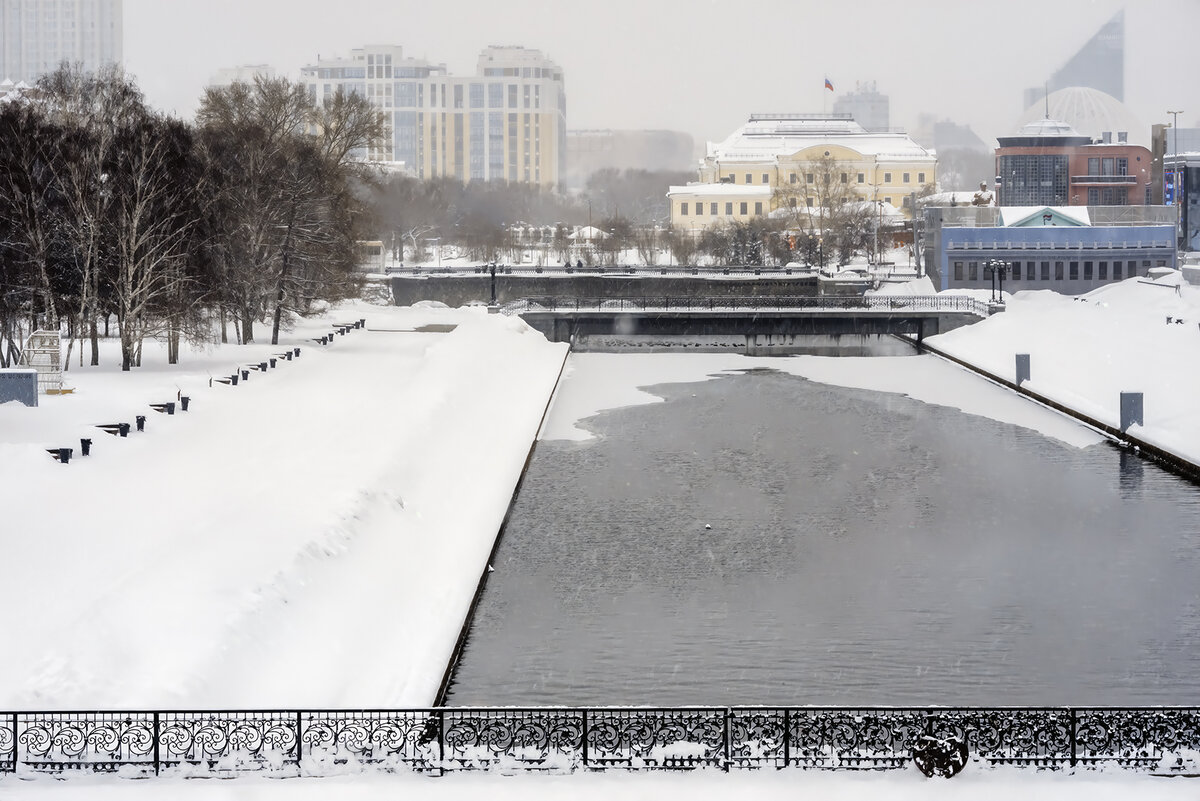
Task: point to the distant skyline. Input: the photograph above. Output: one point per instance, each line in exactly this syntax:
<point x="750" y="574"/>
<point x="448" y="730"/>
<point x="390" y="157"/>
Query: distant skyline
<point x="701" y="66"/>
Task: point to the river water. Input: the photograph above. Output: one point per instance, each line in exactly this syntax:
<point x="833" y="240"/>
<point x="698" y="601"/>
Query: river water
<point x="763" y="539"/>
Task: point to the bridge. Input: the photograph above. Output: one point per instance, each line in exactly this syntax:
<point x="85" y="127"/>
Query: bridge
<point x="565" y="319"/>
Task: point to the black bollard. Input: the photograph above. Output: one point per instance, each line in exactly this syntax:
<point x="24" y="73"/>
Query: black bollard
<point x="245" y="375"/>
<point x="170" y="406"/>
<point x="85" y="447"/>
<point x="262" y="366"/>
<point x="123" y="429"/>
<point x="141" y="422"/>
<point x="64" y="455"/>
<point x="233" y="379"/>
<point x="183" y="402"/>
<point x="296" y="351"/>
<point x="272" y="360"/>
<point x="289" y="355"/>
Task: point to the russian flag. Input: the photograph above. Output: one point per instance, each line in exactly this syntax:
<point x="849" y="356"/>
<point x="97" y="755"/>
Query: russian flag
<point x="828" y="85"/>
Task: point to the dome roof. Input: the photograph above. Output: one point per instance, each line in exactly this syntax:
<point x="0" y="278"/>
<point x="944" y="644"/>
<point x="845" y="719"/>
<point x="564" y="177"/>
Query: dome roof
<point x="1047" y="127"/>
<point x="1089" y="111"/>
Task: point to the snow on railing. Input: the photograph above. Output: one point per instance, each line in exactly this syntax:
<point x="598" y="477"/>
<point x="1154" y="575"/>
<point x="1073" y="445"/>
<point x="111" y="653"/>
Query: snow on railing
<point x="882" y="304"/>
<point x="323" y="742"/>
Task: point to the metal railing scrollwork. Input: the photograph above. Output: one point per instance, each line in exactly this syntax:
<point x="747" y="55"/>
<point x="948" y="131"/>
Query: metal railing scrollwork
<point x="324" y="742"/>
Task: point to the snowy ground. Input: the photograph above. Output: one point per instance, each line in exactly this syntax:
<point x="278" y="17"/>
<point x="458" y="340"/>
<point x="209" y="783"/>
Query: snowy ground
<point x="310" y="537"/>
<point x="313" y="537"/>
<point x="909" y="785"/>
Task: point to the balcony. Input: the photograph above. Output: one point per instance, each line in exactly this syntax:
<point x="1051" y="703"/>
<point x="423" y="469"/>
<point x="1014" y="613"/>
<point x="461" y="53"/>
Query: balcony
<point x="1109" y="180"/>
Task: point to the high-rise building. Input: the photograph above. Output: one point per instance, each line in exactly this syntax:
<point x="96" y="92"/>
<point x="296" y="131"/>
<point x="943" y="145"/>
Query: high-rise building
<point x="506" y="122"/>
<point x="36" y="36"/>
<point x="1099" y="64"/>
<point x="866" y="106"/>
<point x="245" y="73"/>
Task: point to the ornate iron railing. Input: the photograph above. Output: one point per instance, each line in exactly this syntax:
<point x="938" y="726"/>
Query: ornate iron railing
<point x="316" y="742"/>
<point x="875" y="304"/>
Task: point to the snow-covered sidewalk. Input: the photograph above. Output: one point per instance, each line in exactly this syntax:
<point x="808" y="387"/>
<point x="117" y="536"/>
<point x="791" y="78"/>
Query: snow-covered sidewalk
<point x="312" y="536"/>
<point x="973" y="784"/>
<point x="1134" y="336"/>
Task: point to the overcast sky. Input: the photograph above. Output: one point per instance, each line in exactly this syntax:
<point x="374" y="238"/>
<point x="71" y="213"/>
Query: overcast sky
<point x="699" y="66"/>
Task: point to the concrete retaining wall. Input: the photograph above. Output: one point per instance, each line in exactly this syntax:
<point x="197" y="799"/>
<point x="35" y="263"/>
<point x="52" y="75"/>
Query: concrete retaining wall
<point x="19" y="384"/>
<point x="461" y="290"/>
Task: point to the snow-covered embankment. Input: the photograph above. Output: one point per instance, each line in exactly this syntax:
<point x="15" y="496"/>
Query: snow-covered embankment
<point x="312" y="537"/>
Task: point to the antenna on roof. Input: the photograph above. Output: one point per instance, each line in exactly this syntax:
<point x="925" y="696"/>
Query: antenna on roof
<point x="1047" y="100"/>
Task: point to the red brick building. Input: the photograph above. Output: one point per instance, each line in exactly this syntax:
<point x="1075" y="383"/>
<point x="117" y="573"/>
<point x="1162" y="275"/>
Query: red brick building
<point x="1049" y="164"/>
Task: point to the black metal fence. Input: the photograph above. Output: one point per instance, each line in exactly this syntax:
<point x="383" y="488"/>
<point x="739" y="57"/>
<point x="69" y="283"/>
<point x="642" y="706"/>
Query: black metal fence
<point x="870" y="303"/>
<point x="314" y="743"/>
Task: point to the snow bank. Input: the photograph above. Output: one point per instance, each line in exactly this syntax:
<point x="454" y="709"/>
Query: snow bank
<point x="1132" y="336"/>
<point x="973" y="784"/>
<point x="311" y="537"/>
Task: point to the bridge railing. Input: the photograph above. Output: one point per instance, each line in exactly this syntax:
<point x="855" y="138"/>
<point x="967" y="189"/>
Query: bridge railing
<point x="870" y="303"/>
<point x="323" y="742"/>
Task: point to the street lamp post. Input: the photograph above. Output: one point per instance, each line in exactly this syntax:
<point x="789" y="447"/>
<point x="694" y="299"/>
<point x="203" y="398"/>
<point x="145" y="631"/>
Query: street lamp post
<point x="996" y="269"/>
<point x="1175" y="199"/>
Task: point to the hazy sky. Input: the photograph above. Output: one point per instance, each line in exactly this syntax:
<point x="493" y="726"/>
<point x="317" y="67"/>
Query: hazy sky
<point x="699" y="66"/>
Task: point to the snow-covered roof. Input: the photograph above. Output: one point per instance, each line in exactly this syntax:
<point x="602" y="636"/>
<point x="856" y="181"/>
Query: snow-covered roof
<point x="766" y="139"/>
<point x="1015" y="215"/>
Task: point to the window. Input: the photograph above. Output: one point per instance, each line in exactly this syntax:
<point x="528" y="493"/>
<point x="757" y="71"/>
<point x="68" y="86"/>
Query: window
<point x="862" y="177"/>
<point x="1108" y="166"/>
<point x="728" y="209"/>
<point x="1116" y="271"/>
<point x="1093" y="197"/>
<point x="458" y="95"/>
<point x="1058" y="271"/>
<point x="1087" y="271"/>
<point x="1093" y="166"/>
<point x="792" y="202"/>
<point x="808" y="177"/>
<point x="973" y="270"/>
<point x="1122" y="166"/>
<point x="495" y="92"/>
<point x="683" y="207"/>
<point x="512" y="95"/>
<point x="1074" y="271"/>
<point x="699" y="208"/>
<point x="766" y="178"/>
<point x="920" y="177"/>
<point x="1103" y="276"/>
<point x="1045" y="271"/>
<point x="887" y="177"/>
<point x="476" y="95"/>
<point x="845" y="178"/>
<point x="958" y="271"/>
<point x="712" y="209"/>
<point x="809" y="201"/>
<point x="758" y="207"/>
<point x="887" y="200"/>
<point x="792" y="178"/>
<point x="906" y="180"/>
<point x="1030" y="274"/>
<point x="742" y="207"/>
<point x="749" y="178"/>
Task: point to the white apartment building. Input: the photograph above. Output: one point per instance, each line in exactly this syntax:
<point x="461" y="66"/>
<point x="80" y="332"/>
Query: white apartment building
<point x="245" y="73"/>
<point x="38" y="35"/>
<point x="505" y="122"/>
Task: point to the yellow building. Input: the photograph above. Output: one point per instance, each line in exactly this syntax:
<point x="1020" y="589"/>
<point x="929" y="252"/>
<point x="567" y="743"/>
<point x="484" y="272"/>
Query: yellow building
<point x="777" y="159"/>
<point x="506" y="122"/>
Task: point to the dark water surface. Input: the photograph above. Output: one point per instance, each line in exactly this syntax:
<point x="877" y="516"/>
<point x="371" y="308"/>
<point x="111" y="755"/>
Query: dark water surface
<point x="865" y="548"/>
